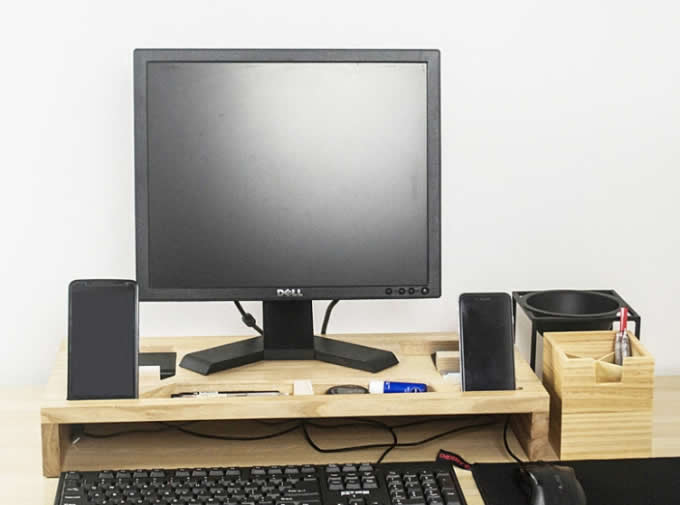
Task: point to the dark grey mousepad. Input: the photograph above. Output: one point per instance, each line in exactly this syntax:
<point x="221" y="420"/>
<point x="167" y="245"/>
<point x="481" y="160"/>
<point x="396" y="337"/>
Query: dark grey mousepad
<point x="605" y="482"/>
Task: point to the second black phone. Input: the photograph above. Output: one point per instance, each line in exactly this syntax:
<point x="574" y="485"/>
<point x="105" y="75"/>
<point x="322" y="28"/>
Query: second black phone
<point x="103" y="339"/>
<point x="487" y="360"/>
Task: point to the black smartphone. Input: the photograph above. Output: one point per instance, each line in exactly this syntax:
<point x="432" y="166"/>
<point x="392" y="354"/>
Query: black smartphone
<point x="103" y="339"/>
<point x="487" y="359"/>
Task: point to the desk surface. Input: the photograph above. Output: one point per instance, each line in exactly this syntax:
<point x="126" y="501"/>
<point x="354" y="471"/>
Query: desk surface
<point x="21" y="478"/>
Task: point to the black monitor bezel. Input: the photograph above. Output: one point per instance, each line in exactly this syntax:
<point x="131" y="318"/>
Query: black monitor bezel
<point x="431" y="57"/>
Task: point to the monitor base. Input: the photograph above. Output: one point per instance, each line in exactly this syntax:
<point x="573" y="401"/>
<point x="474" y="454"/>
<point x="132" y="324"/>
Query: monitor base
<point x="241" y="353"/>
<point x="288" y="335"/>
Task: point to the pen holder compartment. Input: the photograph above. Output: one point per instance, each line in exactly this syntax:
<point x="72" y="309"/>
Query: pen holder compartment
<point x="598" y="409"/>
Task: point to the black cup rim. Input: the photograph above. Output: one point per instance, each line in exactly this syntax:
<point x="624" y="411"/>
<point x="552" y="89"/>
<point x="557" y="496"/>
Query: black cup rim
<point x="527" y="304"/>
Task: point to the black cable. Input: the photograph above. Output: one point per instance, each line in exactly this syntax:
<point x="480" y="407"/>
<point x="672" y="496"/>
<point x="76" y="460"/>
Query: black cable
<point x="395" y="439"/>
<point x="327" y="316"/>
<point x="404" y="425"/>
<point x="181" y="427"/>
<point x="276" y="423"/>
<point x="227" y="437"/>
<point x="507" y="445"/>
<point x="446" y="433"/>
<point x="423" y="421"/>
<point x="390" y="448"/>
<point x="121" y="433"/>
<point x="434" y="437"/>
<point x="248" y="318"/>
<point x="318" y="448"/>
<point x="354" y="422"/>
<point x="304" y="425"/>
<point x="166" y="427"/>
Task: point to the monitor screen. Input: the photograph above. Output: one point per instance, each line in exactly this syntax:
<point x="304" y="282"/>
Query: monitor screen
<point x="287" y="174"/>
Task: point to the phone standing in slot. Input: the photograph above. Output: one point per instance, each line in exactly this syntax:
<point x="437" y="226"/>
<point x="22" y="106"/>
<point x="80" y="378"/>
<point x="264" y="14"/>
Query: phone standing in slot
<point x="103" y="339"/>
<point x="487" y="359"/>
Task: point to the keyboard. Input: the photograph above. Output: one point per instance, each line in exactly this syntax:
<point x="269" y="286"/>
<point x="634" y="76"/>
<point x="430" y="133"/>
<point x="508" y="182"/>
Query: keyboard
<point x="342" y="484"/>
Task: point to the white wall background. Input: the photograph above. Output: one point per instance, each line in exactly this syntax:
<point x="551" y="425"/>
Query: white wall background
<point x="560" y="147"/>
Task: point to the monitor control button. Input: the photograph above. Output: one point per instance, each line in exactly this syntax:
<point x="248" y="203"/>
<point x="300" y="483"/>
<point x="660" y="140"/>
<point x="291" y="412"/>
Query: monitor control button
<point x="388" y="291"/>
<point x="411" y="291"/>
<point x="425" y="291"/>
<point x="402" y="291"/>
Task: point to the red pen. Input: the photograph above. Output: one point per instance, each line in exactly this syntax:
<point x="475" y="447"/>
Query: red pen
<point x="623" y="322"/>
<point x="623" y="327"/>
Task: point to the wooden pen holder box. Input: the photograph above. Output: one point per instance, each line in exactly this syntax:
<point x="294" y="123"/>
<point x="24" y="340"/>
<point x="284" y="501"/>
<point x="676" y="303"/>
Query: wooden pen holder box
<point x="598" y="409"/>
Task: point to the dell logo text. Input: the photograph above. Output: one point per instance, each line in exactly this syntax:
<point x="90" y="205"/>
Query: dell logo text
<point x="289" y="292"/>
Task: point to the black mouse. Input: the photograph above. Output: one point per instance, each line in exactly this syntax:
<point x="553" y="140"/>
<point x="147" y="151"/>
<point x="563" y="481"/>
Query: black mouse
<point x="547" y="484"/>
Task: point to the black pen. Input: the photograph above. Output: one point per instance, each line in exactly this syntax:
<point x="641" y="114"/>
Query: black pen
<point x="213" y="394"/>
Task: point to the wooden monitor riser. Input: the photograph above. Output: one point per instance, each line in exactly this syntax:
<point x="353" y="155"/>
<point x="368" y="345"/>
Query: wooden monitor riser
<point x="529" y="405"/>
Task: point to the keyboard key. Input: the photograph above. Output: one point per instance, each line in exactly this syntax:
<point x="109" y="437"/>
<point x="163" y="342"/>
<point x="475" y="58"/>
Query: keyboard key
<point x="446" y="482"/>
<point x="451" y="498"/>
<point x="409" y="502"/>
<point x="301" y="494"/>
<point x="310" y="485"/>
<point x="349" y="468"/>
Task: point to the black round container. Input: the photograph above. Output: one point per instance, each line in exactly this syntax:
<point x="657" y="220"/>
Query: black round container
<point x="570" y="310"/>
<point x="571" y="303"/>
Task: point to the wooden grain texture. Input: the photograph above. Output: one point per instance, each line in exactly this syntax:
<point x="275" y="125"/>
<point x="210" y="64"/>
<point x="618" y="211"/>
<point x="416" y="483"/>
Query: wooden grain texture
<point x="532" y="432"/>
<point x="598" y="409"/>
<point x="21" y="479"/>
<point x="21" y="476"/>
<point x="413" y="350"/>
<point x="447" y="361"/>
<point x="54" y="439"/>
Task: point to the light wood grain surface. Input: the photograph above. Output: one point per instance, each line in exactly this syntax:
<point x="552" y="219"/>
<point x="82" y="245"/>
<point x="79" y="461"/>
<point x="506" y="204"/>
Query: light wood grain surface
<point x="21" y="480"/>
<point x="414" y="351"/>
<point x="598" y="409"/>
<point x="529" y="402"/>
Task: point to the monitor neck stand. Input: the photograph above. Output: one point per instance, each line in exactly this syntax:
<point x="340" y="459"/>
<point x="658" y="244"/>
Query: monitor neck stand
<point x="288" y="335"/>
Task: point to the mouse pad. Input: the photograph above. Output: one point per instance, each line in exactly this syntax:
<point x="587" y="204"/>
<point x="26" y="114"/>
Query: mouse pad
<point x="605" y="482"/>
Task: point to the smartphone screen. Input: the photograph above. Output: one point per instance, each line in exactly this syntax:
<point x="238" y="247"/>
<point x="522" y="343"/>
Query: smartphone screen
<point x="102" y="339"/>
<point x="486" y="342"/>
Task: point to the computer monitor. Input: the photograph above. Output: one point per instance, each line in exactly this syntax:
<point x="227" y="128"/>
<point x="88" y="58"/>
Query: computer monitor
<point x="287" y="176"/>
